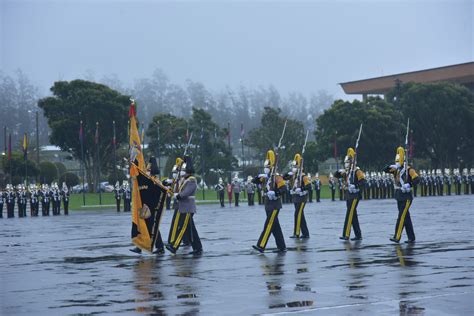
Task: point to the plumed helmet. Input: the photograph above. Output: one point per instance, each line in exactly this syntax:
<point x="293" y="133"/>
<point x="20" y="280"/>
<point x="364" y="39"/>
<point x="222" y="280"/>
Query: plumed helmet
<point x="297" y="161"/>
<point x="350" y="155"/>
<point x="221" y="181"/>
<point x="400" y="156"/>
<point x="447" y="171"/>
<point x="188" y="167"/>
<point x="117" y="185"/>
<point x="317" y="175"/>
<point x="270" y="159"/>
<point x="179" y="162"/>
<point x="249" y="179"/>
<point x="125" y="183"/>
<point x="330" y="175"/>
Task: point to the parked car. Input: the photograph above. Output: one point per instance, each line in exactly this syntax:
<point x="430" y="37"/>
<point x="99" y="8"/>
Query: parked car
<point x="106" y="187"/>
<point x="78" y="188"/>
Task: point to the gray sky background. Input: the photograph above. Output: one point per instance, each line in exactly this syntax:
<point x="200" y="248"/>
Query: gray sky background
<point x="296" y="46"/>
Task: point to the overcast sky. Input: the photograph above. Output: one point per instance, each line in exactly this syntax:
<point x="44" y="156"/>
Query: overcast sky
<point x="296" y="46"/>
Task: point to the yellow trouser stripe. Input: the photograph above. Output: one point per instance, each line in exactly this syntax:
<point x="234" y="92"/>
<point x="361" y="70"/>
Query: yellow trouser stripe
<point x="349" y="222"/>
<point x="402" y="220"/>
<point x="174" y="227"/>
<point x="298" y="222"/>
<point x="181" y="233"/>
<point x="268" y="229"/>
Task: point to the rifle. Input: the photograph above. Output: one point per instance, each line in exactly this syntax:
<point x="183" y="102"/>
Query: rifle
<point x="273" y="171"/>
<point x="300" y="171"/>
<point x="354" y="161"/>
<point x="178" y="170"/>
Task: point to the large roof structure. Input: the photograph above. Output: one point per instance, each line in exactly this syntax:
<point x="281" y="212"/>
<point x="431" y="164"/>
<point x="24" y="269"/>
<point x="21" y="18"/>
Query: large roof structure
<point x="460" y="73"/>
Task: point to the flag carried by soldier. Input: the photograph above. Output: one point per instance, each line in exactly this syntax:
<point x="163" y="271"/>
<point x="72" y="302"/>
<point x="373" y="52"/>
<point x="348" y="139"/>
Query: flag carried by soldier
<point x="148" y="195"/>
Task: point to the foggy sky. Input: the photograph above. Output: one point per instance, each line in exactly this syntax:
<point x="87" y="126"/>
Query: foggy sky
<point x="296" y="46"/>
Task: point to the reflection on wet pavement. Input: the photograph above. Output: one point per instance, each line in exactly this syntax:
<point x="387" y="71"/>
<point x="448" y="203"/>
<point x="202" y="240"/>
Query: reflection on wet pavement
<point x="81" y="264"/>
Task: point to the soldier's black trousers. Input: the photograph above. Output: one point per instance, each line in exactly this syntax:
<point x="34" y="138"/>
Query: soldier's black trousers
<point x="333" y="194"/>
<point x="221" y="198"/>
<point x="318" y="195"/>
<point x="66" y="207"/>
<point x="174" y="229"/>
<point x="300" y="226"/>
<point x="187" y="228"/>
<point x="168" y="202"/>
<point x="310" y="196"/>
<point x="1" y="210"/>
<point x="272" y="226"/>
<point x="404" y="220"/>
<point x="236" y="196"/>
<point x="351" y="219"/>
<point x="159" y="242"/>
<point x="126" y="205"/>
<point x="117" y="203"/>
<point x="250" y="198"/>
<point x="448" y="186"/>
<point x="10" y="210"/>
<point x="341" y="195"/>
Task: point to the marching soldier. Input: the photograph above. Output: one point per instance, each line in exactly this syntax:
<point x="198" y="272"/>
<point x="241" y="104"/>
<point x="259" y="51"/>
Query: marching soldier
<point x="439" y="179"/>
<point x="118" y="195"/>
<point x="471" y="179"/>
<point x="447" y="181"/>
<point x="317" y="187"/>
<point x="259" y="193"/>
<point x="168" y="183"/>
<point x="56" y="199"/>
<point x="220" y="189"/>
<point x="273" y="187"/>
<point x="34" y="203"/>
<point x="187" y="209"/>
<point x="341" y="189"/>
<point x="250" y="188"/>
<point x="45" y="199"/>
<point x="366" y="190"/>
<point x="332" y="187"/>
<point x="405" y="177"/>
<point x="65" y="198"/>
<point x="236" y="189"/>
<point x="177" y="174"/>
<point x="127" y="196"/>
<point x="21" y="200"/>
<point x="354" y="178"/>
<point x="2" y="200"/>
<point x="10" y="200"/>
<point x="299" y="184"/>
<point x="457" y="181"/>
<point x="310" y="190"/>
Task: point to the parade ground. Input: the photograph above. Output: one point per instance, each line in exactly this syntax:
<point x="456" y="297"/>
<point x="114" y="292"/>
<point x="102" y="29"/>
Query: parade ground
<point x="81" y="264"/>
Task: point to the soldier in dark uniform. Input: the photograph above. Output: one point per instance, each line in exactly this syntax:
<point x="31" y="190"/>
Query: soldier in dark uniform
<point x="220" y="189"/>
<point x="471" y="179"/>
<point x="187" y="208"/>
<point x="55" y="199"/>
<point x="273" y="187"/>
<point x="447" y="181"/>
<point x="299" y="184"/>
<point x="310" y="190"/>
<point x="236" y="188"/>
<point x="366" y="190"/>
<point x="354" y="180"/>
<point x="373" y="184"/>
<point x="457" y="181"/>
<point x="465" y="180"/>
<point x="65" y="198"/>
<point x="341" y="189"/>
<point x="250" y="189"/>
<point x="405" y="177"/>
<point x="10" y="200"/>
<point x="34" y="203"/>
<point x="317" y="187"/>
<point x="127" y="196"/>
<point x="439" y="180"/>
<point x="2" y="200"/>
<point x="21" y="200"/>
<point x="259" y="193"/>
<point x="332" y="187"/>
<point x="178" y="174"/>
<point x="118" y="195"/>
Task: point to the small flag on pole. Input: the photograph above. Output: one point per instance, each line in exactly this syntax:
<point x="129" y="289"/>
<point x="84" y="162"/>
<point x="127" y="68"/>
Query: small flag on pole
<point x="25" y="146"/>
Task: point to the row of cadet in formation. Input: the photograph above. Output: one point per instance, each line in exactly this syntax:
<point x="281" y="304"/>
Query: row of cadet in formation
<point x="377" y="186"/>
<point x="34" y="195"/>
<point x="273" y="185"/>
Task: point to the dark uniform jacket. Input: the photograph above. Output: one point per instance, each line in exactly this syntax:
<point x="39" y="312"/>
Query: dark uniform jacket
<point x="358" y="180"/>
<point x="278" y="186"/>
<point x="412" y="180"/>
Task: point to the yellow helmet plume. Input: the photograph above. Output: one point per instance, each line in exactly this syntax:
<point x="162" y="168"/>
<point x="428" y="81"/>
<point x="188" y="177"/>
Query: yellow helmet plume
<point x="400" y="157"/>
<point x="179" y="162"/>
<point x="350" y="152"/>
<point x="270" y="160"/>
<point x="297" y="159"/>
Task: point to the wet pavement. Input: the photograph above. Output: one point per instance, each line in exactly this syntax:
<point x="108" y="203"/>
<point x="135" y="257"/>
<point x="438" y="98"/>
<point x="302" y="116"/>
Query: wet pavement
<point x="81" y="264"/>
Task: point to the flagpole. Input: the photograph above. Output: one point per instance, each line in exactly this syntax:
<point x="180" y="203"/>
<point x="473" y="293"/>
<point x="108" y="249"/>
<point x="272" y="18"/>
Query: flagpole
<point x="203" y="172"/>
<point x="98" y="161"/>
<point x="230" y="149"/>
<point x="81" y="138"/>
<point x="242" y="141"/>
<point x="10" y="155"/>
<point x="115" y="154"/>
<point x="25" y="156"/>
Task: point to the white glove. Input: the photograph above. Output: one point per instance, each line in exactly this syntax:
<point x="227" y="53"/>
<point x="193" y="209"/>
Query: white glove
<point x="352" y="188"/>
<point x="263" y="175"/>
<point x="292" y="192"/>
<point x="303" y="193"/>
<point x="175" y="195"/>
<point x="271" y="195"/>
<point x="406" y="188"/>
<point x="168" y="181"/>
<point x="290" y="173"/>
<point x="298" y="190"/>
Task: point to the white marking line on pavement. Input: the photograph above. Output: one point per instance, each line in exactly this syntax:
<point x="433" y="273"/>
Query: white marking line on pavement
<point x="362" y="304"/>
